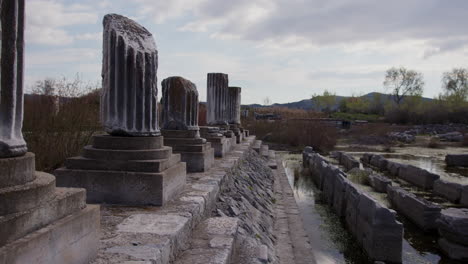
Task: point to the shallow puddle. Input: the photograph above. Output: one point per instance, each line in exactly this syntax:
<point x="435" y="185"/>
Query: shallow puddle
<point x="331" y="242"/>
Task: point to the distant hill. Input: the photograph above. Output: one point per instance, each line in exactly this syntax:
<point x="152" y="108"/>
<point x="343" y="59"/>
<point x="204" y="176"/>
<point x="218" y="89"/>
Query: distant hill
<point x="307" y="104"/>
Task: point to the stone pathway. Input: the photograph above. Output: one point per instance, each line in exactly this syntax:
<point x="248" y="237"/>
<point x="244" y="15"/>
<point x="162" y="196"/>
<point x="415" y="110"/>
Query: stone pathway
<point x="293" y="246"/>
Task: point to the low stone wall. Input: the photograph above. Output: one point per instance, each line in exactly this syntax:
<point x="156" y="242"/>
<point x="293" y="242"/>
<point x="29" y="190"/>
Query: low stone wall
<point x="346" y="160"/>
<point x="421" y="212"/>
<point x="460" y="160"/>
<point x="379" y="182"/>
<point x="374" y="226"/>
<point x="454" y="192"/>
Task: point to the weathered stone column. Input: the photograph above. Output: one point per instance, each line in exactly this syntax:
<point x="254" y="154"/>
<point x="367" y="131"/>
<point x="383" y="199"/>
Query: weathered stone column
<point x="180" y="104"/>
<point x="129" y="85"/>
<point x="216" y="101"/>
<point x="11" y="77"/>
<point x="234" y="105"/>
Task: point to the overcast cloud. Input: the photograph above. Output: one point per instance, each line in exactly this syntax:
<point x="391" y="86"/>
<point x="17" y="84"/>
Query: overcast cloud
<point x="284" y="49"/>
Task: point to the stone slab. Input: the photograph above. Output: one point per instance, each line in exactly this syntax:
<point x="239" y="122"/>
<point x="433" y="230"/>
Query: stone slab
<point x="130" y="188"/>
<point x="73" y="239"/>
<point x="379" y="182"/>
<point x="17" y="170"/>
<point x="464" y="196"/>
<point x="453" y="225"/>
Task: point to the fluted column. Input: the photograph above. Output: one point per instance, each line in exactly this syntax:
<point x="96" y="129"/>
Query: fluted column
<point x="217" y="99"/>
<point x="234" y="105"/>
<point x="180" y="104"/>
<point x="11" y="78"/>
<point x="130" y="62"/>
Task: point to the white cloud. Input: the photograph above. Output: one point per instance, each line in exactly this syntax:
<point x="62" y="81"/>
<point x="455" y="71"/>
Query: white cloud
<point x="46" y="21"/>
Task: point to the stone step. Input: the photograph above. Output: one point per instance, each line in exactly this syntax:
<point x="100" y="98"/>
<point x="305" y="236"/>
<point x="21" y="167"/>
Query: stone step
<point x="65" y="201"/>
<point x="264" y="151"/>
<point x="108" y="154"/>
<point x="190" y="148"/>
<point x="179" y="133"/>
<point x="257" y="145"/>
<point x="124" y="187"/>
<point x="17" y="170"/>
<point x="81" y="163"/>
<point x="127" y="143"/>
<point x="26" y="196"/>
<point x="213" y="241"/>
<point x="183" y="141"/>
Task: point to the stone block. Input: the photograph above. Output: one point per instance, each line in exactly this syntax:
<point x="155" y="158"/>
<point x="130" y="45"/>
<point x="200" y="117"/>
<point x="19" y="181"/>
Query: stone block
<point x="420" y="211"/>
<point x="64" y="202"/>
<point x="379" y="162"/>
<point x="73" y="239"/>
<point x="126" y="143"/>
<point x="352" y="203"/>
<point x="366" y="158"/>
<point x="123" y="187"/>
<point x="417" y="176"/>
<point x="378" y="232"/>
<point x="220" y="146"/>
<point x="460" y="160"/>
<point x="17" y="170"/>
<point x="198" y="161"/>
<point x="449" y="190"/>
<point x="394" y="168"/>
<point x="348" y="161"/>
<point x="379" y="182"/>
<point x="453" y="250"/>
<point x="464" y="196"/>
<point x="453" y="225"/>
<point x="339" y="201"/>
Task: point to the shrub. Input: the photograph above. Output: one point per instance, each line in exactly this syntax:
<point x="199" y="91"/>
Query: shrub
<point x="58" y="124"/>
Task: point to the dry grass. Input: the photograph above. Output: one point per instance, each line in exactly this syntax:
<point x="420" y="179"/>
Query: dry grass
<point x="434" y="143"/>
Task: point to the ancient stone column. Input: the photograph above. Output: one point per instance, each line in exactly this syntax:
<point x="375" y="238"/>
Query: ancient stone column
<point x="217" y="99"/>
<point x="11" y="79"/>
<point x="129" y="94"/>
<point x="180" y="104"/>
<point x="234" y="105"/>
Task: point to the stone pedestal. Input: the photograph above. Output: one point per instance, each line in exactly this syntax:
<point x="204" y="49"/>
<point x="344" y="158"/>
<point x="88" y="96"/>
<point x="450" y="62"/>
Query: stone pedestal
<point x="38" y="222"/>
<point x="219" y="142"/>
<point x="125" y="170"/>
<point x="180" y="124"/>
<point x="195" y="151"/>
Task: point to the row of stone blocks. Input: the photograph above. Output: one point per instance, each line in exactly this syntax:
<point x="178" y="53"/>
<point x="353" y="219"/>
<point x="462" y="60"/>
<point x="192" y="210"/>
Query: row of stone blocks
<point x="176" y="232"/>
<point x="451" y="223"/>
<point x="454" y="192"/>
<point x="40" y="223"/>
<point x="346" y="160"/>
<point x="374" y="226"/>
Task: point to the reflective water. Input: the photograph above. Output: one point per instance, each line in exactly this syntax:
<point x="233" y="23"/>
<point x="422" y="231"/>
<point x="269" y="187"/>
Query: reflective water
<point x="330" y="240"/>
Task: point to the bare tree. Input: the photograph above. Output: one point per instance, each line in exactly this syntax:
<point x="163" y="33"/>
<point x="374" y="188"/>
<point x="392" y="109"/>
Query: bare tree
<point x="403" y="82"/>
<point x="455" y="83"/>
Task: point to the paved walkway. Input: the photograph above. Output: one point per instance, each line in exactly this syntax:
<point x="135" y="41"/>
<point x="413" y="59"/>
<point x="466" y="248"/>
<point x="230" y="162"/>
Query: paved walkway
<point x="293" y="245"/>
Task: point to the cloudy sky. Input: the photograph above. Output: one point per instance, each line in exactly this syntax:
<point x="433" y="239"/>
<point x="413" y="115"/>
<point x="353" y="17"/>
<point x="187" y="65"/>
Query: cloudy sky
<point x="285" y="50"/>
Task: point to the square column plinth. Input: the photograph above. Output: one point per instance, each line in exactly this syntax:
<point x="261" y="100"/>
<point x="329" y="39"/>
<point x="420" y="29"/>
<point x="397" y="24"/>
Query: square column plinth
<point x="195" y="151"/>
<point x="219" y="142"/>
<point x="40" y="223"/>
<point x="125" y="170"/>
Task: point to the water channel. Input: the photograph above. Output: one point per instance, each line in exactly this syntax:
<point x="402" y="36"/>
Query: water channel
<point x="332" y="243"/>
